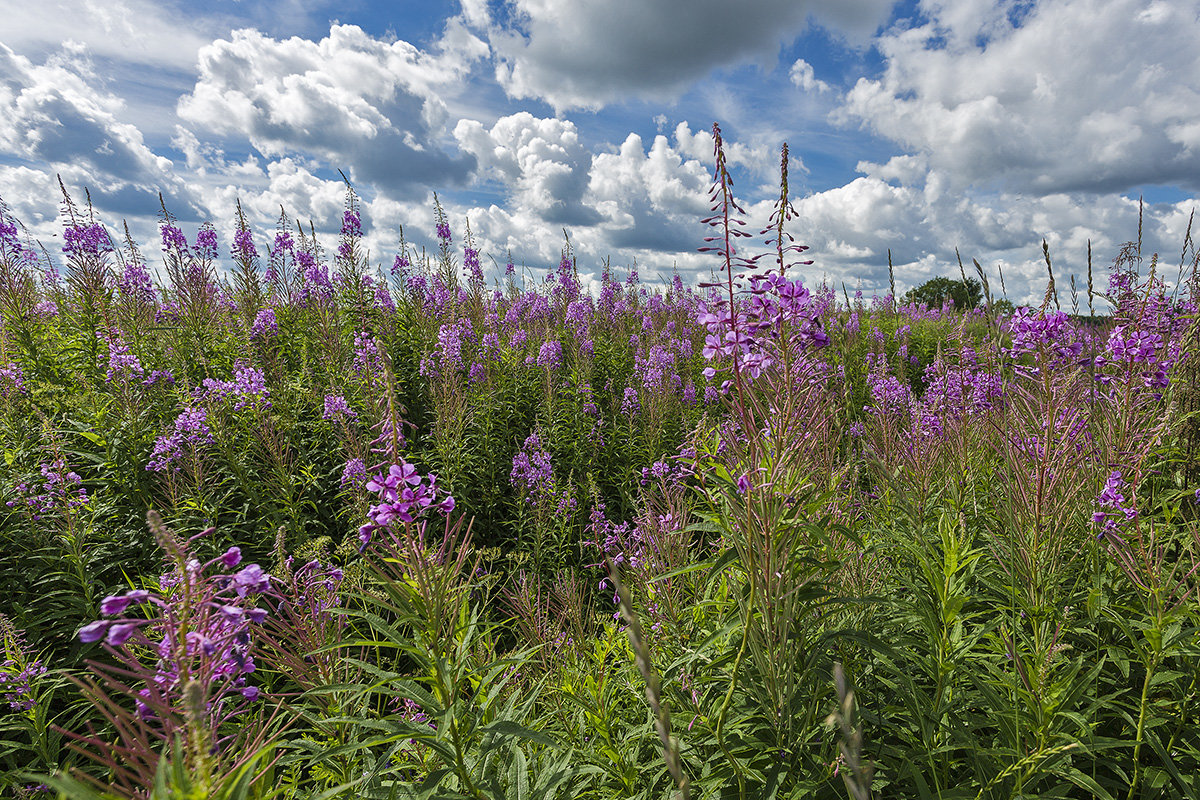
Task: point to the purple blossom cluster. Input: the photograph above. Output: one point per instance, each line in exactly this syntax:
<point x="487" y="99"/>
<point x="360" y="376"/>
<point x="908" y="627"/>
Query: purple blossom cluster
<point x="201" y="628"/>
<point x="12" y="380"/>
<point x="123" y="365"/>
<point x="265" y="326"/>
<point x="248" y="389"/>
<point x="337" y="408"/>
<point x="173" y="240"/>
<point x="19" y="670"/>
<point x="354" y="474"/>
<point x="59" y="490"/>
<point x="190" y="431"/>
<point x="206" y="242"/>
<point x="405" y="496"/>
<point x="1114" y="513"/>
<point x="532" y="474"/>
<point x="135" y="283"/>
<point x="243" y="245"/>
<point x="86" y="241"/>
<point x="779" y="314"/>
<point x="622" y="542"/>
<point x="368" y="359"/>
<point x="472" y="269"/>
<point x="351" y="233"/>
<point x="550" y="354"/>
<point x="448" y="358"/>
<point x="1035" y="331"/>
<point x="315" y="283"/>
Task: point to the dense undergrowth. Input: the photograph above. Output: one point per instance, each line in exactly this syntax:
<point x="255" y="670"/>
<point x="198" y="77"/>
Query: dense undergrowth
<point x="305" y="530"/>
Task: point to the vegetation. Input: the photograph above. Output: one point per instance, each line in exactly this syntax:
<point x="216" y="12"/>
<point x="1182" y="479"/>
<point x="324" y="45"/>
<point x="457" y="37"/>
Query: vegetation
<point x="313" y="530"/>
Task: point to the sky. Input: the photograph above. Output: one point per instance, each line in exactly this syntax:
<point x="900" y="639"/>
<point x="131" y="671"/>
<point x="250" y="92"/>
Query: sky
<point x="917" y="127"/>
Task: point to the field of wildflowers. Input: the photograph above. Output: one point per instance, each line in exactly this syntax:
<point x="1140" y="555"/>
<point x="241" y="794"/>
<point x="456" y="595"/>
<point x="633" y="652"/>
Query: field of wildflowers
<point x="311" y="528"/>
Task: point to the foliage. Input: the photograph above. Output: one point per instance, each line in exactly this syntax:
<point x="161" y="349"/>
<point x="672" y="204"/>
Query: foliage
<point x="412" y="537"/>
<point x="964" y="294"/>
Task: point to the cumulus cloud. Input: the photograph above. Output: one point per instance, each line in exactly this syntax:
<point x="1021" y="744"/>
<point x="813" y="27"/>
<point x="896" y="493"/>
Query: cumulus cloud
<point x="55" y="118"/>
<point x="803" y="75"/>
<point x="1070" y="95"/>
<point x="349" y="99"/>
<point x="650" y="200"/>
<point x="579" y="54"/>
<point x="633" y="204"/>
<point x="542" y="160"/>
<point x="52" y="113"/>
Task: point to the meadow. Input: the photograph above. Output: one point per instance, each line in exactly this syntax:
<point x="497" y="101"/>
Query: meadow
<point x="312" y="527"/>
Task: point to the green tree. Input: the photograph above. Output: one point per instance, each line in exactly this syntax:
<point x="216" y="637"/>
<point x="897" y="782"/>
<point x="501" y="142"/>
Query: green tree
<point x="935" y="291"/>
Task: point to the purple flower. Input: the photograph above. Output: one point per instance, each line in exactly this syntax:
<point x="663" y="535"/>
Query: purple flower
<point x="404" y="496"/>
<point x="531" y="472"/>
<point x="12" y="380"/>
<point x="243" y="246"/>
<point x="135" y="283"/>
<point x="232" y="557"/>
<point x="173" y="240"/>
<point x="93" y="631"/>
<point x="354" y="473"/>
<point x="86" y="240"/>
<point x="119" y="632"/>
<point x="1115" y="512"/>
<point x="550" y="355"/>
<point x="336" y="407"/>
<point x="251" y="579"/>
<point x="206" y="242"/>
<point x="265" y="326"/>
<point x="122" y="364"/>
<point x="116" y="604"/>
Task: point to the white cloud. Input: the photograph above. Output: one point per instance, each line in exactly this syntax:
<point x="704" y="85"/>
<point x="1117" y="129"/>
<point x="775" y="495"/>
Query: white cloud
<point x="542" y="160"/>
<point x="137" y="31"/>
<point x="55" y="118"/>
<point x="52" y="113"/>
<point x="803" y="75"/>
<point x="1078" y="95"/>
<point x="651" y="200"/>
<point x="350" y="99"/>
<point x="580" y="54"/>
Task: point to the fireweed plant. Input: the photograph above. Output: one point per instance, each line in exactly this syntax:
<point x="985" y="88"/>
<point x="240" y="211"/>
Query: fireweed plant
<point x="414" y="535"/>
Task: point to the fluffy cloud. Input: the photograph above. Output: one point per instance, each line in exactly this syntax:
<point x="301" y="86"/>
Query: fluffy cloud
<point x="804" y="76"/>
<point x="55" y="118"/>
<point x="1071" y="95"/>
<point x="632" y="204"/>
<point x="51" y="113"/>
<point x="542" y="160"/>
<point x="349" y="98"/>
<point x="651" y="200"/>
<point x="579" y="54"/>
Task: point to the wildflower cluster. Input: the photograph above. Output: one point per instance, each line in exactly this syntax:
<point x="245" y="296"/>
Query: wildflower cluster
<point x="198" y="624"/>
<point x="191" y="431"/>
<point x="59" y="490"/>
<point x="1114" y="512"/>
<point x="405" y="496"/>
<point x="20" y="670"/>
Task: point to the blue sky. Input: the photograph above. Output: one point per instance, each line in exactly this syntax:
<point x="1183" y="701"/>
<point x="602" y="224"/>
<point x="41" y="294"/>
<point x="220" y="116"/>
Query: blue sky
<point x="917" y="127"/>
